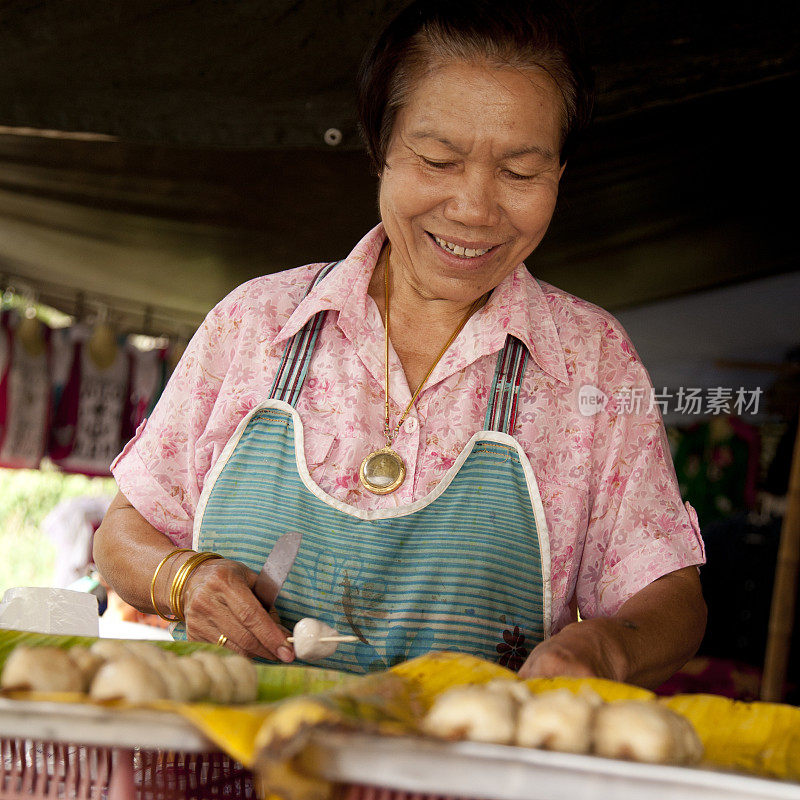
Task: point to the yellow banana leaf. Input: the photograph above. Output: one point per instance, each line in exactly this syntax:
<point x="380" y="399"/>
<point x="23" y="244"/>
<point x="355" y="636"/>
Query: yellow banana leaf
<point x="759" y="738"/>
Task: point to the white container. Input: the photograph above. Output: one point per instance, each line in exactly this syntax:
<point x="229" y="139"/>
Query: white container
<point x="44" y="609"/>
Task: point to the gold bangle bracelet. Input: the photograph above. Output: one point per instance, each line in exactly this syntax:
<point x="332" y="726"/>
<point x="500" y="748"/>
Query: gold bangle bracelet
<point x="185" y="570"/>
<point x="161" y="563"/>
<point x="182" y="576"/>
<point x="177" y="586"/>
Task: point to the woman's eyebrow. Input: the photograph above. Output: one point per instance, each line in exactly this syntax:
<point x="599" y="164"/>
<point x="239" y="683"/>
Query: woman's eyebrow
<point x="533" y="149"/>
<point x="424" y="134"/>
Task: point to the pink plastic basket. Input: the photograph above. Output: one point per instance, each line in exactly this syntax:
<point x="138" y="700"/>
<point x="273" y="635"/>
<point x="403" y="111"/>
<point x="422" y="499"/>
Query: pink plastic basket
<point x="34" y="769"/>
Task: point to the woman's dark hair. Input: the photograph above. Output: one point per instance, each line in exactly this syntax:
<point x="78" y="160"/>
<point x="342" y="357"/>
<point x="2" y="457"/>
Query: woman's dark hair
<point x="518" y="33"/>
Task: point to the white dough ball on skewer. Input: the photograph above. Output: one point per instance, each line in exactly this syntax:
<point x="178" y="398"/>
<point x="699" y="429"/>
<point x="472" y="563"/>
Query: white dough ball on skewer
<point x="307" y="634"/>
<point x="41" y="669"/>
<point x="642" y="730"/>
<point x="558" y="720"/>
<point x="313" y="639"/>
<point x="245" y="678"/>
<point x="222" y="689"/>
<point x="129" y="678"/>
<point x="475" y="713"/>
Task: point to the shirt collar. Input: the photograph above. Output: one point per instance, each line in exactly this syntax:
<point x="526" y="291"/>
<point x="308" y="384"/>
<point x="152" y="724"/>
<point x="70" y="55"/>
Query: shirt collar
<point x="344" y="289"/>
<point x="518" y="306"/>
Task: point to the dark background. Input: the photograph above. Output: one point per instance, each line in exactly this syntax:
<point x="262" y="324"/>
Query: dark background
<point x="194" y="155"/>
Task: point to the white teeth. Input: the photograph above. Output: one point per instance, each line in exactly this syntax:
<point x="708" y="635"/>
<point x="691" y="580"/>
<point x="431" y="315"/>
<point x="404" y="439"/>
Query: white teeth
<point x="458" y="250"/>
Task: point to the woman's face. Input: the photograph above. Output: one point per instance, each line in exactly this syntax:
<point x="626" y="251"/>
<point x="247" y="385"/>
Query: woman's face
<point x="471" y="177"/>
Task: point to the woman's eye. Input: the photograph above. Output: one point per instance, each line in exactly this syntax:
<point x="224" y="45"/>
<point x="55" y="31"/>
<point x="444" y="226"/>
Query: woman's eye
<point x="436" y="164"/>
<point x="516" y="176"/>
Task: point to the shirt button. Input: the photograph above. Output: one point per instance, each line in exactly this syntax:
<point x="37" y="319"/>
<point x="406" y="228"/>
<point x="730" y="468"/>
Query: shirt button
<point x="410" y="425"/>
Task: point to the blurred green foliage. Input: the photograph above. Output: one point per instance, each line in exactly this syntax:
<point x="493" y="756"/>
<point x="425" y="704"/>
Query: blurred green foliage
<point x="27" y="496"/>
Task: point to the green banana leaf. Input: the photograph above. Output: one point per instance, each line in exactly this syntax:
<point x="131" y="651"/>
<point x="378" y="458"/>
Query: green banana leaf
<point x="275" y="681"/>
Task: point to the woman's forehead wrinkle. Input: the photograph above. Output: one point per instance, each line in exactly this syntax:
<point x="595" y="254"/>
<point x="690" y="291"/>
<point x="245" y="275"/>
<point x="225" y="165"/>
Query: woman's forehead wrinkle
<point x="497" y="76"/>
<point x="429" y="135"/>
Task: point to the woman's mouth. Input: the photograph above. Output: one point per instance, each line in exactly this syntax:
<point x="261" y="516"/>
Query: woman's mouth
<point x="460" y="250"/>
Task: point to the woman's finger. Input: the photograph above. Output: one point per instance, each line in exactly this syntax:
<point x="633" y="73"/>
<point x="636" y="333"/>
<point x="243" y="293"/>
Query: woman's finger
<point x="211" y="627"/>
<point x="218" y="600"/>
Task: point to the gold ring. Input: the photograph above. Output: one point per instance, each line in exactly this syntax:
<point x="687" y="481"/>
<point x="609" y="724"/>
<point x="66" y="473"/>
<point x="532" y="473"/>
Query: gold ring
<point x="222" y="639"/>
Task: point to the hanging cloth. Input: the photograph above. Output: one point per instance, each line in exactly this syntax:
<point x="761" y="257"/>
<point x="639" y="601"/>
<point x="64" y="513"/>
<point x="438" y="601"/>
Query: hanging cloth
<point x="25" y="391"/>
<point x="92" y="419"/>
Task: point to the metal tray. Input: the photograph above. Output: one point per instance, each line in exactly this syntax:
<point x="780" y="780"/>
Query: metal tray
<point x="412" y="765"/>
<point x="85" y="723"/>
<point x="500" y="772"/>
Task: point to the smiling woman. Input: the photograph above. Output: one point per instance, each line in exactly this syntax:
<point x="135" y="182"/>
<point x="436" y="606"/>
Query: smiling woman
<point x="470" y="181"/>
<point x="413" y="409"/>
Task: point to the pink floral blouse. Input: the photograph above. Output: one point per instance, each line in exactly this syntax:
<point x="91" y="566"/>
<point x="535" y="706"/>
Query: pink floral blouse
<point x="614" y="513"/>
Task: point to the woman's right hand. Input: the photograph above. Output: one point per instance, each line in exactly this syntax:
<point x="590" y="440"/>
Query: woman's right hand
<point x="218" y="599"/>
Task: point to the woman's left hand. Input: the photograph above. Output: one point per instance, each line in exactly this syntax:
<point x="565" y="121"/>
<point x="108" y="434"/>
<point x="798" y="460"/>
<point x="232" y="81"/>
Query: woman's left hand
<point x="588" y="649"/>
<point x="654" y="633"/>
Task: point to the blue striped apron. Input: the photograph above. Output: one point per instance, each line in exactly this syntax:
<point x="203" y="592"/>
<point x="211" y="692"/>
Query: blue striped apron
<point x="465" y="568"/>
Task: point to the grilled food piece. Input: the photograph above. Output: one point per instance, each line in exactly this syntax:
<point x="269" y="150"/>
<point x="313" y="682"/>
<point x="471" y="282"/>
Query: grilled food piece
<point x="475" y="713"/>
<point x="642" y="730"/>
<point x="129" y="678"/>
<point x="558" y="720"/>
<point x="42" y="669"/>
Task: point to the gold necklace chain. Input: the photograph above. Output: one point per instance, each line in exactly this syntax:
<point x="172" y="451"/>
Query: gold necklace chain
<point x="383" y="471"/>
<point x="388" y="432"/>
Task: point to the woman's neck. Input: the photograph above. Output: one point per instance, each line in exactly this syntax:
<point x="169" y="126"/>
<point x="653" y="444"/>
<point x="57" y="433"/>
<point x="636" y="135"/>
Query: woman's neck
<point x="414" y="304"/>
<point x="419" y="325"/>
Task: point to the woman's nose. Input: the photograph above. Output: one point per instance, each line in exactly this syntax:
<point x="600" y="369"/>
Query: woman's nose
<point x="473" y="200"/>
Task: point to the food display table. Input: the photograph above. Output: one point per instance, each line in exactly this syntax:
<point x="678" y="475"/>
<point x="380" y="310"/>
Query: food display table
<point x="87" y="751"/>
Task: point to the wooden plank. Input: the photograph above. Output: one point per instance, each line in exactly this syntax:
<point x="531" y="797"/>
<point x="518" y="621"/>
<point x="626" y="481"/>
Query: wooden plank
<point x="784" y="593"/>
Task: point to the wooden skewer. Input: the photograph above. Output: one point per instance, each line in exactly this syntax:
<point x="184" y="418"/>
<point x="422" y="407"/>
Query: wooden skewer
<point x="337" y="638"/>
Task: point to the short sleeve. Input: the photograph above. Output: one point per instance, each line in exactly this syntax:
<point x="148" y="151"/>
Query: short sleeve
<point x="639" y="528"/>
<point x="161" y="469"/>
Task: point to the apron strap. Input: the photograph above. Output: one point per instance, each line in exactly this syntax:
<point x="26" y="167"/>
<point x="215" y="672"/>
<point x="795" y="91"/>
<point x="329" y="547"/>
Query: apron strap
<point x="296" y="357"/>
<point x="501" y="414"/>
